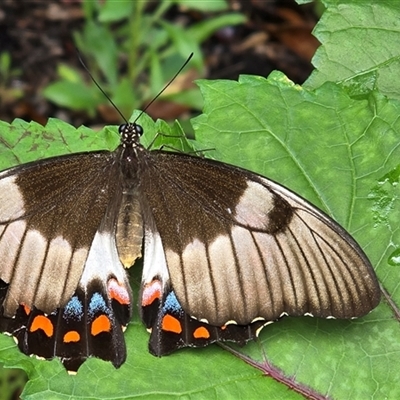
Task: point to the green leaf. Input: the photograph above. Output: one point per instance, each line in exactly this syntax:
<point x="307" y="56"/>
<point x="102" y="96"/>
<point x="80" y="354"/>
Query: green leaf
<point x="359" y="46"/>
<point x="207" y="6"/>
<point x="155" y="37"/>
<point x="72" y="92"/>
<point x="115" y="10"/>
<point x="69" y="74"/>
<point x="190" y="98"/>
<point x="73" y="95"/>
<point x="99" y="41"/>
<point x="156" y="72"/>
<point x="124" y="96"/>
<point x="184" y="43"/>
<point x="203" y="30"/>
<point x="22" y="142"/>
<point x="5" y="64"/>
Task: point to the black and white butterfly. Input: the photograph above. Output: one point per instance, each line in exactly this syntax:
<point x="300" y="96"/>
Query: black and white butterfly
<point x="226" y="252"/>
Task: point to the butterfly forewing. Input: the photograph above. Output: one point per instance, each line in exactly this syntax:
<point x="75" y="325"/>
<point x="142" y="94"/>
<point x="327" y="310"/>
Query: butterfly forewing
<point x="240" y="247"/>
<point x="49" y="214"/>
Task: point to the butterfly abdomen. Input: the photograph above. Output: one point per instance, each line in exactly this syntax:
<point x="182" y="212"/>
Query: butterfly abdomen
<point x="129" y="230"/>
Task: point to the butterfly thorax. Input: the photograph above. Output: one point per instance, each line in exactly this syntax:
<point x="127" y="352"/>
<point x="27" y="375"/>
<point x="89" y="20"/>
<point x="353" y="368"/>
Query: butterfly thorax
<point x="130" y="154"/>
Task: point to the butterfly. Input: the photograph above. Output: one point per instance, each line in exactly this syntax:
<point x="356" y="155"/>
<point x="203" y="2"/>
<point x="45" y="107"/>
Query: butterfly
<point x="225" y="253"/>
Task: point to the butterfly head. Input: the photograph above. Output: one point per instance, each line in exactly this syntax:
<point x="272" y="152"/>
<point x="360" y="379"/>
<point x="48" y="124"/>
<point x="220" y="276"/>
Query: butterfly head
<point x="130" y="134"/>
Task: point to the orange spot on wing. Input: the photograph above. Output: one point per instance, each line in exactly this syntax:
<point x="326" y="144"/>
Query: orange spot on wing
<point x="201" y="333"/>
<point x="223" y="327"/>
<point x="118" y="292"/>
<point x="101" y="324"/>
<point x="151" y="292"/>
<point x="71" y="336"/>
<point x="171" y="324"/>
<point x="43" y="323"/>
<point x="26" y="309"/>
<point x="149" y="300"/>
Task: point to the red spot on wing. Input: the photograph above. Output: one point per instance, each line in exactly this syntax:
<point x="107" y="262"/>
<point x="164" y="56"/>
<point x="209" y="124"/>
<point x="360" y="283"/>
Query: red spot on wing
<point x="118" y="292"/>
<point x="151" y="292"/>
<point x="71" y="336"/>
<point x="171" y="324"/>
<point x="101" y="324"/>
<point x="43" y="323"/>
<point x="201" y="333"/>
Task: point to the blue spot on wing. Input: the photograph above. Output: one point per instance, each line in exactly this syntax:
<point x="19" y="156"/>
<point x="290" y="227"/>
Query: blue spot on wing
<point x="73" y="309"/>
<point x="171" y="304"/>
<point x="97" y="304"/>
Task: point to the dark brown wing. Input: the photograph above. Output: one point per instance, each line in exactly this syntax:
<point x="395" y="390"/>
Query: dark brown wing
<point x="50" y="211"/>
<point x="239" y="246"/>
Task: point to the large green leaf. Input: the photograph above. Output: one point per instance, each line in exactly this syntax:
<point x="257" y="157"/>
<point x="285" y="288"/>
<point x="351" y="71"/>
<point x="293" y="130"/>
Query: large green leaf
<point x="360" y="46"/>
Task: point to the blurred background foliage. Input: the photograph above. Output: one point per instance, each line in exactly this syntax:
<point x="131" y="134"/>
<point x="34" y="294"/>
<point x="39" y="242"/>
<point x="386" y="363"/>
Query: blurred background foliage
<point x="132" y="53"/>
<point x="134" y="48"/>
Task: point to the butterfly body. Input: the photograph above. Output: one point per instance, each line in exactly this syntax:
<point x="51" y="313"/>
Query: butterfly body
<point x="225" y="251"/>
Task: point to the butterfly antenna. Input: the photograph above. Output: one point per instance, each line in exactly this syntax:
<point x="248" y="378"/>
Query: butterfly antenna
<point x="165" y="87"/>
<point x="151" y="102"/>
<point x="99" y="87"/>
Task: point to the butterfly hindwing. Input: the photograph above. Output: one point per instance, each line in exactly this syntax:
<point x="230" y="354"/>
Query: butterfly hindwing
<point x="90" y="324"/>
<point x="170" y="327"/>
<point x="173" y="328"/>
